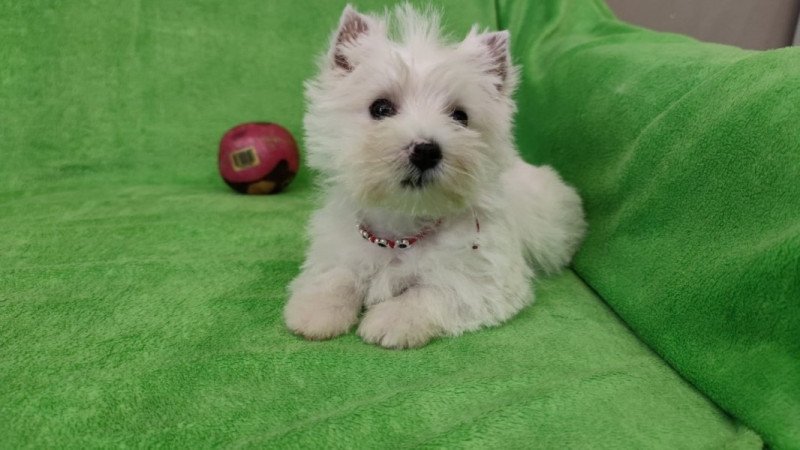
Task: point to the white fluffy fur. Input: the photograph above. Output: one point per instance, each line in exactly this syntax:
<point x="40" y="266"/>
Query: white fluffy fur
<point x="441" y="286"/>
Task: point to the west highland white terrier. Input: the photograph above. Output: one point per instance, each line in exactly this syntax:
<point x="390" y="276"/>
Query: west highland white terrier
<point x="432" y="224"/>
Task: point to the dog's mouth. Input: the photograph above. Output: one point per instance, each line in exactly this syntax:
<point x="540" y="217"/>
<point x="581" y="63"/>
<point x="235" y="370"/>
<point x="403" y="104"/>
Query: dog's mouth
<point x="414" y="182"/>
<point x="418" y="180"/>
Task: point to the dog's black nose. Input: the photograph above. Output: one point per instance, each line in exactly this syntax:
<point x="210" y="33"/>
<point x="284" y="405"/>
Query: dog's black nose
<point x="426" y="155"/>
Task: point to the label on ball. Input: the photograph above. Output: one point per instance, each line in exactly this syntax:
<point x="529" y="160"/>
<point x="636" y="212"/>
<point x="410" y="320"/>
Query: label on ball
<point x="244" y="159"/>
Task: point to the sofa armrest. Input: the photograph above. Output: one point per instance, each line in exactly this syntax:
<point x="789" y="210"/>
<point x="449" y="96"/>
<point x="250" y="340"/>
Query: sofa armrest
<point x="688" y="159"/>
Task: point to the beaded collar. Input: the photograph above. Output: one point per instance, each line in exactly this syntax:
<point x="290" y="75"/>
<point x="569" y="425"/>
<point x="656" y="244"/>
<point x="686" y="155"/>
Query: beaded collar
<point x="396" y="243"/>
<point x="408" y="241"/>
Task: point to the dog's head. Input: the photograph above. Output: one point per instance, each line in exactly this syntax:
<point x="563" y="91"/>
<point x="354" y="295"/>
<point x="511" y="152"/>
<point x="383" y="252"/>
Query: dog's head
<point x="402" y="120"/>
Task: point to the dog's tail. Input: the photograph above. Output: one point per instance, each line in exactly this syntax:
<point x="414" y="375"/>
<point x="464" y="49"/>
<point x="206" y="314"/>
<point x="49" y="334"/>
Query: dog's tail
<point x="546" y="214"/>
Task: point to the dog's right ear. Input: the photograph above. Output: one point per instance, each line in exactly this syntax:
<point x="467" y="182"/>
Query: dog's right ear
<point x="353" y="27"/>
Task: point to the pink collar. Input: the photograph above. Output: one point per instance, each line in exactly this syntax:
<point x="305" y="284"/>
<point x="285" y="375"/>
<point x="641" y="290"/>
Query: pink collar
<point x="397" y="243"/>
<point x="411" y="240"/>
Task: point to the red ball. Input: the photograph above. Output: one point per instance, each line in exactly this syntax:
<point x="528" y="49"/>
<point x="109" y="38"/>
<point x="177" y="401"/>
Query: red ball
<point x="258" y="158"/>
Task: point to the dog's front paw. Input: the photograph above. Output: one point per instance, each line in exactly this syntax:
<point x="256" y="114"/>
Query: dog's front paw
<point x="317" y="315"/>
<point x="395" y="324"/>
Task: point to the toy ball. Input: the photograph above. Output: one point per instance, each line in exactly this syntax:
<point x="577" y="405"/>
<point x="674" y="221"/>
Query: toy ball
<point x="258" y="158"/>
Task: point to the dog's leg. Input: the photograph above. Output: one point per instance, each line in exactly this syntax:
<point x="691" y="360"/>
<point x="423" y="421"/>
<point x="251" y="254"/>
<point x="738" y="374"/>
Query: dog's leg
<point x="323" y="306"/>
<point x="402" y="322"/>
<point x="425" y="311"/>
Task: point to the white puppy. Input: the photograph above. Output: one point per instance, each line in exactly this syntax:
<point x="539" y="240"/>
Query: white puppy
<point x="429" y="213"/>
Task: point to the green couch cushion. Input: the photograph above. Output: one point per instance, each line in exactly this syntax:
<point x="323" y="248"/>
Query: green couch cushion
<point x="688" y="158"/>
<point x="136" y="317"/>
<point x="140" y="298"/>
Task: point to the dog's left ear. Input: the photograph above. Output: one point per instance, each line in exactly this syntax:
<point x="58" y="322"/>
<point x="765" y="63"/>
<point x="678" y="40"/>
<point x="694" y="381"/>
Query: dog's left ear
<point x="493" y="48"/>
<point x="353" y="27"/>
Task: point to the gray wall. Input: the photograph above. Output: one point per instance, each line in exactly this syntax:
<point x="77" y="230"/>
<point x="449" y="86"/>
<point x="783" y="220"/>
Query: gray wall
<point x="754" y="24"/>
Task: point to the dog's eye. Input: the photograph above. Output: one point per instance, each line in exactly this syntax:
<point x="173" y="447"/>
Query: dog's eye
<point x="460" y="116"/>
<point x="381" y="108"/>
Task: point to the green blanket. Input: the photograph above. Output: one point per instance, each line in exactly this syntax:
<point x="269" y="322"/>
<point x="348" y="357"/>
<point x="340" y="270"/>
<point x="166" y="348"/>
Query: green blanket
<point x="688" y="158"/>
<point x="140" y="298"/>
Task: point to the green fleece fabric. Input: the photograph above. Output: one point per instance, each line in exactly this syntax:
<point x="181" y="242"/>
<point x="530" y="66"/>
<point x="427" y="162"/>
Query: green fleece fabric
<point x="688" y="158"/>
<point x="140" y="298"/>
